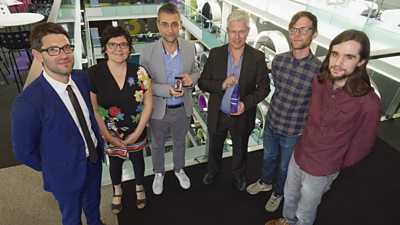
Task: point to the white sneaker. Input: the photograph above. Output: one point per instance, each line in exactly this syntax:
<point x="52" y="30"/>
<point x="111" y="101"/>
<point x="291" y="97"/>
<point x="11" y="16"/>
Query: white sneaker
<point x="158" y="183"/>
<point x="183" y="179"/>
<point x="273" y="202"/>
<point x="257" y="187"/>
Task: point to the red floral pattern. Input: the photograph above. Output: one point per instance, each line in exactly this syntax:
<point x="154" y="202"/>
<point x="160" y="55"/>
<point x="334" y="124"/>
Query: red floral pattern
<point x="114" y="110"/>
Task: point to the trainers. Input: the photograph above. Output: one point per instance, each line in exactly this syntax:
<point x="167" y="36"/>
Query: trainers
<point x="257" y="187"/>
<point x="280" y="221"/>
<point x="273" y="203"/>
<point x="183" y="179"/>
<point x="158" y="183"/>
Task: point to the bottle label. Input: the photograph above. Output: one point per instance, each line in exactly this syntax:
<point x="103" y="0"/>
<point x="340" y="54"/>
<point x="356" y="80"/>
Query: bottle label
<point x="234" y="105"/>
<point x="235" y="99"/>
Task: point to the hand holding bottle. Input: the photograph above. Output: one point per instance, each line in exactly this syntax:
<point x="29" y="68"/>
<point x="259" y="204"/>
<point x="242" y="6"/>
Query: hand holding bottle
<point x="234" y="100"/>
<point x="240" y="109"/>
<point x="229" y="81"/>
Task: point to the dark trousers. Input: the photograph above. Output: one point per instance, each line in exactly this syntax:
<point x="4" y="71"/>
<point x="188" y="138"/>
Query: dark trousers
<point x="216" y="145"/>
<point x="86" y="198"/>
<point x="138" y="167"/>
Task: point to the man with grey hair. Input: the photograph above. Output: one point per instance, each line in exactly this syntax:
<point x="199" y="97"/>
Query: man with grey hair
<point x="231" y="67"/>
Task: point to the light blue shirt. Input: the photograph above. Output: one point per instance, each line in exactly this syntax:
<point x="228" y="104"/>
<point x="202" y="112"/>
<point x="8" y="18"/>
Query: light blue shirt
<point x="233" y="69"/>
<point x="173" y="67"/>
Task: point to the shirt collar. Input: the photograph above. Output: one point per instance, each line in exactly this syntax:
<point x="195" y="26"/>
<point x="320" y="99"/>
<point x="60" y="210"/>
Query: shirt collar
<point x="303" y="60"/>
<point x="178" y="48"/>
<point x="58" y="86"/>
<point x="329" y="86"/>
<point x="229" y="50"/>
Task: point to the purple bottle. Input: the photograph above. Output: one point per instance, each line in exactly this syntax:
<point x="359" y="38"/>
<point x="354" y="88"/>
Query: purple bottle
<point x="235" y="97"/>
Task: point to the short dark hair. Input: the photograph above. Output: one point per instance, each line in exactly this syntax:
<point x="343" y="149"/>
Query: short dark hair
<point x="307" y="14"/>
<point x="111" y="32"/>
<point x="43" y="29"/>
<point x="358" y="83"/>
<point x="169" y="8"/>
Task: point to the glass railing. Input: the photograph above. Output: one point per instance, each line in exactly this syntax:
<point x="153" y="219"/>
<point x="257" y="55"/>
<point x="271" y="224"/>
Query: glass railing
<point x="102" y="3"/>
<point x="212" y="34"/>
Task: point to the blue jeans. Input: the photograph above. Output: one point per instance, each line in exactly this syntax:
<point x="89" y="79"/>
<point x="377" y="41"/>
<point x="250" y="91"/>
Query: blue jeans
<point x="276" y="145"/>
<point x="303" y="193"/>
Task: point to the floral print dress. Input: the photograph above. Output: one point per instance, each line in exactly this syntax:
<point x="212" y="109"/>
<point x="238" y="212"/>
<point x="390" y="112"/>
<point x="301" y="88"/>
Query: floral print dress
<point x="121" y="109"/>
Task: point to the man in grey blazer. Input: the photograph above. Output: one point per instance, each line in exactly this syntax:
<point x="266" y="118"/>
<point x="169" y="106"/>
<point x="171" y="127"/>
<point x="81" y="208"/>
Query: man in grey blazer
<point x="165" y="60"/>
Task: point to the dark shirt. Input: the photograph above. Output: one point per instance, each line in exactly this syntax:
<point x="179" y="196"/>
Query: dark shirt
<point x="120" y="108"/>
<point x="340" y="129"/>
<point x="292" y="81"/>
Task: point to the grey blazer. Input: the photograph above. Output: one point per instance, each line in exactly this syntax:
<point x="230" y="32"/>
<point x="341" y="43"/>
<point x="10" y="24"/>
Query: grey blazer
<point x="151" y="58"/>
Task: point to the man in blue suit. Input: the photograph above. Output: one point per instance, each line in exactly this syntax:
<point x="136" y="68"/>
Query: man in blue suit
<point x="54" y="130"/>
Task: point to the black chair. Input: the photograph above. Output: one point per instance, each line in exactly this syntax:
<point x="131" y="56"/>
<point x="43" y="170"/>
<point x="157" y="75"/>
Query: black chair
<point x="41" y="6"/>
<point x="1" y="71"/>
<point x="15" y="42"/>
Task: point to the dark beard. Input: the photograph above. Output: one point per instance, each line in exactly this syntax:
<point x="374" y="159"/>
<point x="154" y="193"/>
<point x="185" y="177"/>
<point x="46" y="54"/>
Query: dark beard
<point x="335" y="78"/>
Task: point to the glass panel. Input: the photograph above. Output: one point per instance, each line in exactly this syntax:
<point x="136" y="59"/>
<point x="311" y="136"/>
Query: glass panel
<point x="211" y="34"/>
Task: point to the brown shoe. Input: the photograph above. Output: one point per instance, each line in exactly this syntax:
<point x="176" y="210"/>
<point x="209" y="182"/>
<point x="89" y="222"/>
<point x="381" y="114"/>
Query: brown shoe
<point x="280" y="221"/>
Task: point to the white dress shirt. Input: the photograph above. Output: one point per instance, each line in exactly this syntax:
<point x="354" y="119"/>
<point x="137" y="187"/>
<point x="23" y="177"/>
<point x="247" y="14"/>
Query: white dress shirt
<point x="61" y="90"/>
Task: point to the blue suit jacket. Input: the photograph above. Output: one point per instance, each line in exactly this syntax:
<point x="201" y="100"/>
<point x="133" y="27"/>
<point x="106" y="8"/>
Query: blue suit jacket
<point x="46" y="138"/>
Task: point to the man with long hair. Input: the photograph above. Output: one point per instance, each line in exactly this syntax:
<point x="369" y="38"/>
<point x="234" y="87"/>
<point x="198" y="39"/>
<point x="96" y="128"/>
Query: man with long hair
<point x="341" y="127"/>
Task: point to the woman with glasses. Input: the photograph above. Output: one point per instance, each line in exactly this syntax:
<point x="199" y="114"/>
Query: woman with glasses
<point x="122" y="100"/>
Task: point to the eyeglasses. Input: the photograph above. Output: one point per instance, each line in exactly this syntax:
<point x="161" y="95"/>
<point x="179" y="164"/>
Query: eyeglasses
<point x="241" y="33"/>
<point x="301" y="30"/>
<point x="53" y="51"/>
<point x="113" y="45"/>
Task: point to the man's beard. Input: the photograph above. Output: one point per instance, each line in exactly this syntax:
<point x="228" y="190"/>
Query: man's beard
<point x="345" y="75"/>
<point x="337" y="78"/>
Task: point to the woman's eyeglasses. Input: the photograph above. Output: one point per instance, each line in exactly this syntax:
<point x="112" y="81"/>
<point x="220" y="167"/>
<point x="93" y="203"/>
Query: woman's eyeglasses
<point x="113" y="45"/>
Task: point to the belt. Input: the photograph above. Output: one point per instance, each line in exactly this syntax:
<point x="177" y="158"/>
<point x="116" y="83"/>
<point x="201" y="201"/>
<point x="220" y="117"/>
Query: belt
<point x="175" y="106"/>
